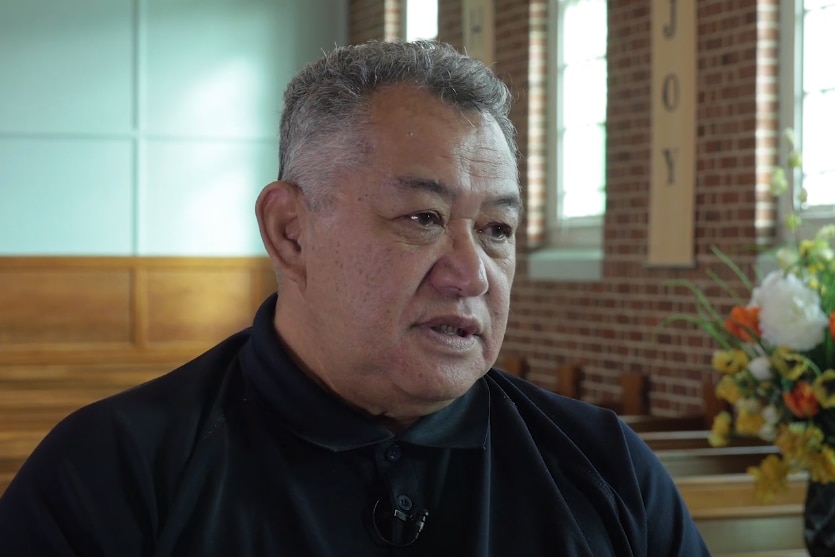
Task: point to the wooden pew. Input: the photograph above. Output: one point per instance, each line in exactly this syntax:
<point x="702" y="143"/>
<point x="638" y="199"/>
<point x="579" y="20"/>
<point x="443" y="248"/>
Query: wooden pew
<point x="634" y="389"/>
<point x="769" y="553"/>
<point x="720" y="495"/>
<point x="513" y="364"/>
<point x="633" y="407"/>
<point x="569" y="377"/>
<point x="645" y="424"/>
<point x="691" y="439"/>
<point x="734" y="523"/>
<point x="713" y="460"/>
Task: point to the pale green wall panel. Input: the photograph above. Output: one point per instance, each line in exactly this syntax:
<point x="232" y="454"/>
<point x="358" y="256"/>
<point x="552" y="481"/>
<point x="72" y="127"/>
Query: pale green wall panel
<point x="65" y="197"/>
<point x="158" y="118"/>
<point x="199" y="197"/>
<point x="66" y="67"/>
<point x="218" y="70"/>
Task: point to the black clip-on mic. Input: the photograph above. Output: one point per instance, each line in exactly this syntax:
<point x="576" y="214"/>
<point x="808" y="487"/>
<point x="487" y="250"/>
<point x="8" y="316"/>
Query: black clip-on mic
<point x="416" y="520"/>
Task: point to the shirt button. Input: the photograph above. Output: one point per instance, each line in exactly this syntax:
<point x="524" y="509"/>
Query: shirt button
<point x="393" y="453"/>
<point x="404" y="502"/>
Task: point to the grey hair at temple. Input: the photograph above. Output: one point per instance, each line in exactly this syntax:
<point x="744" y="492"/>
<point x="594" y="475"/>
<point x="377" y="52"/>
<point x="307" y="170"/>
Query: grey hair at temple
<point x="326" y="104"/>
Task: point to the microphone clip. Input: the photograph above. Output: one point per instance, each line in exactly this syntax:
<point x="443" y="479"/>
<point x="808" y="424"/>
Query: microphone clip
<point x="404" y="527"/>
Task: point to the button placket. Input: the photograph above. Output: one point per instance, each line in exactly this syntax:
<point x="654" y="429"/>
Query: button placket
<point x="402" y="521"/>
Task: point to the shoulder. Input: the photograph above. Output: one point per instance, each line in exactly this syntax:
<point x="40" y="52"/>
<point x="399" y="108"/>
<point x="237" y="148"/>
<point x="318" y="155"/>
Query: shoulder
<point x="585" y="445"/>
<point x="573" y="417"/>
<point x="575" y="438"/>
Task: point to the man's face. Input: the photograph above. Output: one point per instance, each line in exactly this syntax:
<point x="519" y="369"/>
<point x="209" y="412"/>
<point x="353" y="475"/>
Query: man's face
<point x="408" y="271"/>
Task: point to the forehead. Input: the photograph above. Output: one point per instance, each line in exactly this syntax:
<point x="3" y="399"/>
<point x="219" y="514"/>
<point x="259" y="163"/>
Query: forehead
<point x="410" y="126"/>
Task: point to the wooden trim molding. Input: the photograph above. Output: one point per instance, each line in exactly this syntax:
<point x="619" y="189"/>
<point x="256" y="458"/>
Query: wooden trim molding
<point x="125" y="309"/>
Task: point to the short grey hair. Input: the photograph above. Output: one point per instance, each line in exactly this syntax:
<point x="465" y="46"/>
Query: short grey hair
<point x="327" y="103"/>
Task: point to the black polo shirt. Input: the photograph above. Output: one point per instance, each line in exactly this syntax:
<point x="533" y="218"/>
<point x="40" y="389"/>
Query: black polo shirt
<point x="238" y="453"/>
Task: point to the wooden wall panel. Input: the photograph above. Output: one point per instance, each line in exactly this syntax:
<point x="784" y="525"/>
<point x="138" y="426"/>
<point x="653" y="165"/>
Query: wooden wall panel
<point x="197" y="305"/>
<point x="58" y="305"/>
<point x="67" y="310"/>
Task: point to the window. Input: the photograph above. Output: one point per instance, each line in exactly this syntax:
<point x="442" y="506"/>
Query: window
<point x="576" y="194"/>
<point x="576" y="150"/>
<point x="810" y="107"/>
<point x="421" y="19"/>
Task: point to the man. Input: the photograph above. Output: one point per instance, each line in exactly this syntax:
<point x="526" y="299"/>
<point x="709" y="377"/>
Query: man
<point x="357" y="416"/>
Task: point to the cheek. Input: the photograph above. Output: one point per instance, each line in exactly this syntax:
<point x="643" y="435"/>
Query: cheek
<point x="373" y="278"/>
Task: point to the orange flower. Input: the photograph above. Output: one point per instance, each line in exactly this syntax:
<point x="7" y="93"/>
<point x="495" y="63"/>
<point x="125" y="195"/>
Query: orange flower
<point x="801" y="400"/>
<point x="832" y="324"/>
<point x="743" y="322"/>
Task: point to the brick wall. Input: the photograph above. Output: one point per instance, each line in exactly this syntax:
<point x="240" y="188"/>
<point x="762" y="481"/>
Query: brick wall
<point x="611" y="326"/>
<point x="366" y="20"/>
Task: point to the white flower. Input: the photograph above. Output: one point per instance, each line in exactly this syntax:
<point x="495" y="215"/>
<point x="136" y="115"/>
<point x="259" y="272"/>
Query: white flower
<point x="826" y="232"/>
<point x="768" y="432"/>
<point x="790" y="312"/>
<point x="748" y="405"/>
<point x="770" y="414"/>
<point x="760" y="368"/>
<point x="786" y="258"/>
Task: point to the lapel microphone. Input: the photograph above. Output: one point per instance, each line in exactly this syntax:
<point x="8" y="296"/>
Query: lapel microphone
<point x="402" y="528"/>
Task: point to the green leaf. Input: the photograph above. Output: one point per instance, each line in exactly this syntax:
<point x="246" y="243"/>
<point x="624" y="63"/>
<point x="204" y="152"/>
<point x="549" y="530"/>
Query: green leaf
<point x="734" y="267"/>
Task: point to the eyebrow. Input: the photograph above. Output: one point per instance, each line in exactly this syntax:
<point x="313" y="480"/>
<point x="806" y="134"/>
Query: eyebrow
<point x="435" y="187"/>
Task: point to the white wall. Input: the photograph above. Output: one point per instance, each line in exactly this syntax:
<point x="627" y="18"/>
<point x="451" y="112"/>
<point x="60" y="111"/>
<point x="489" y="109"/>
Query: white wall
<point x="146" y="127"/>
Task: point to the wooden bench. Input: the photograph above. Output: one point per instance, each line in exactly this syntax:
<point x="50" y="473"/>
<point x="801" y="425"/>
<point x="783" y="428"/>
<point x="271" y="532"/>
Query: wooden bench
<point x="645" y="424"/>
<point x="720" y="495"/>
<point x="690" y="439"/>
<point x="713" y="460"/>
<point x="733" y="522"/>
<point x="633" y="406"/>
<point x="513" y="364"/>
<point x="768" y="553"/>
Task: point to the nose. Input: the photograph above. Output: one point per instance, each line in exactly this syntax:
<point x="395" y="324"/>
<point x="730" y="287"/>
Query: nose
<point x="460" y="271"/>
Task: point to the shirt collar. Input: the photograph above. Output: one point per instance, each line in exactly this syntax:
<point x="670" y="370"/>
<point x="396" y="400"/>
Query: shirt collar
<point x="323" y="419"/>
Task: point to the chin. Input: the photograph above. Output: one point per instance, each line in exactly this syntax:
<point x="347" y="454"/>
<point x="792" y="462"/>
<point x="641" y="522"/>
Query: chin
<point x="445" y="387"/>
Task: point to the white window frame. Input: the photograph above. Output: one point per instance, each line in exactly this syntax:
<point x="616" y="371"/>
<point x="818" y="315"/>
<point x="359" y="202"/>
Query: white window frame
<point x="404" y="20"/>
<point x="574" y="246"/>
<point x="792" y="115"/>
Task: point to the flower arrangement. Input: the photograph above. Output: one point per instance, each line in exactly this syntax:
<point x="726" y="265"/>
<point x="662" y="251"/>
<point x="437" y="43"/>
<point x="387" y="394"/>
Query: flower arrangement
<point x="776" y="354"/>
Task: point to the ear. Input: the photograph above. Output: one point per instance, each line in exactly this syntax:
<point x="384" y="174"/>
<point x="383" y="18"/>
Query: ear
<point x="279" y="208"/>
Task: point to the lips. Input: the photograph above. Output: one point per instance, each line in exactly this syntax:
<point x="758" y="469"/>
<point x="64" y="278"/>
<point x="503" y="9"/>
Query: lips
<point x="450" y="330"/>
<point x="455" y="325"/>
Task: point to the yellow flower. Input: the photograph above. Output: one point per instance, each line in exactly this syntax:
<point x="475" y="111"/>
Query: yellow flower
<point x="769" y="477"/>
<point x="730" y="361"/>
<point x="721" y="430"/>
<point x="749" y="423"/>
<point x="789" y="364"/>
<point x="728" y="390"/>
<point x="798" y="440"/>
<point x="821" y="465"/>
<point x="824" y="388"/>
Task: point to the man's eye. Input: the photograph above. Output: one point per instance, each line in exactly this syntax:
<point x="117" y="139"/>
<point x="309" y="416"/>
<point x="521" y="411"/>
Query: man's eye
<point x="498" y="231"/>
<point x="426" y="218"/>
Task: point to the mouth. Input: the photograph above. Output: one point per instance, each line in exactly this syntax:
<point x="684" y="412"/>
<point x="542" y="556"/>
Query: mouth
<point x="454" y="326"/>
<point x="453" y="334"/>
<point x="451" y="330"/>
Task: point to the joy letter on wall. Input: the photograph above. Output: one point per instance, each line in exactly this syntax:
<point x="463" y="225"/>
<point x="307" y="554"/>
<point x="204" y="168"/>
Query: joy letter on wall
<point x="673" y="174"/>
<point x="478" y="24"/>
